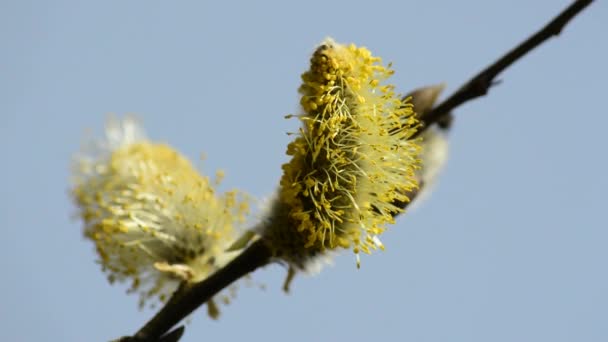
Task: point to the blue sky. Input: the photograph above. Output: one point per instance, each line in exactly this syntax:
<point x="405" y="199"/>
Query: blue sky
<point x="510" y="247"/>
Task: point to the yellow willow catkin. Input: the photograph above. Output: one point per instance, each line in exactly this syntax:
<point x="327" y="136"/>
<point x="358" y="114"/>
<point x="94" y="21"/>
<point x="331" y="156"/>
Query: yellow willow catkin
<point x="155" y="221"/>
<point x="350" y="161"/>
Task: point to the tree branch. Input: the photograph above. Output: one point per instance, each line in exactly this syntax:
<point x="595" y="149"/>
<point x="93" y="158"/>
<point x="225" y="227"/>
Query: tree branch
<point x="188" y="299"/>
<point x="481" y="83"/>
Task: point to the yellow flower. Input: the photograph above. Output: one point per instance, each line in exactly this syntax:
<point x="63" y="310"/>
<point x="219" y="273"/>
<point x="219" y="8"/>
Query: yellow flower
<point x="350" y="161"/>
<point x="154" y="219"/>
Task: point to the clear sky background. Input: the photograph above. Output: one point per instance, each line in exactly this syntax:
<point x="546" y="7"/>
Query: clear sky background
<point x="512" y="246"/>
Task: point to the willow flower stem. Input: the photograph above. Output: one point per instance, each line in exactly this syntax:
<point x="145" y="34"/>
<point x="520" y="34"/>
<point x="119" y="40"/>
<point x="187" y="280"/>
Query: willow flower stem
<point x="188" y="299"/>
<point x="480" y="84"/>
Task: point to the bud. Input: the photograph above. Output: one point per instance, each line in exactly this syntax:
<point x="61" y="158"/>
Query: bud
<point x="434" y="141"/>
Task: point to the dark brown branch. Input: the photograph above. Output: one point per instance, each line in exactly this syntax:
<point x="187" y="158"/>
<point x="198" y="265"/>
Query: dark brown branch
<point x="479" y="85"/>
<point x="189" y="299"/>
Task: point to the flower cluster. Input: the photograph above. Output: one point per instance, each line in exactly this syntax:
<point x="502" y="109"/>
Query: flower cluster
<point x="354" y="164"/>
<point x="350" y="162"/>
<point x="154" y="219"/>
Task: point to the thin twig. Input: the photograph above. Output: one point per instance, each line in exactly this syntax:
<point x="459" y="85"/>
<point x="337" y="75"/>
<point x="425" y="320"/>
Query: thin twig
<point x="481" y="83"/>
<point x="258" y="254"/>
<point x="189" y="299"/>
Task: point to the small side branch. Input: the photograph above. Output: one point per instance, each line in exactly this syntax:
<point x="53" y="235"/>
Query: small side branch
<point x="481" y="83"/>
